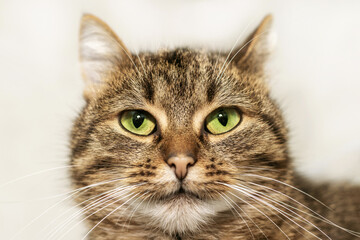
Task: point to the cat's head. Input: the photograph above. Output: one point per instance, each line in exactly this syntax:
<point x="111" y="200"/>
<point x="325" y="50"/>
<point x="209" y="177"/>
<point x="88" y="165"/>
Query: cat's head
<point x="170" y="135"/>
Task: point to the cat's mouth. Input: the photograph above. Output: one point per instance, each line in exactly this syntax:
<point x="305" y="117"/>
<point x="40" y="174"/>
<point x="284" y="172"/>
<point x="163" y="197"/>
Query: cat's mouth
<point x="181" y="190"/>
<point x="183" y="193"/>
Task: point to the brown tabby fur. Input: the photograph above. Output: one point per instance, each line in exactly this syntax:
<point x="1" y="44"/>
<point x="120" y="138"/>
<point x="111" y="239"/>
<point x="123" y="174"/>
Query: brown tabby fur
<point x="180" y="88"/>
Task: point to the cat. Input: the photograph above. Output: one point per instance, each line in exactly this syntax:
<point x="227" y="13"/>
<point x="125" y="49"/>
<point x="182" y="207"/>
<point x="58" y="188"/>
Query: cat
<point x="188" y="144"/>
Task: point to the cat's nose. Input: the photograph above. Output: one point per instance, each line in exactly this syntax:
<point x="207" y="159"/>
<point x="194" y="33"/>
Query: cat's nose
<point x="180" y="164"/>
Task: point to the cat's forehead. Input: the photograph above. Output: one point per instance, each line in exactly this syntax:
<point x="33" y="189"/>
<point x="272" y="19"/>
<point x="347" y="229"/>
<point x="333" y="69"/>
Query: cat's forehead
<point x="183" y="81"/>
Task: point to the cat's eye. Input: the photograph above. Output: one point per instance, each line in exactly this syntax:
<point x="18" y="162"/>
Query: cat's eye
<point x="222" y="120"/>
<point x="138" y="122"/>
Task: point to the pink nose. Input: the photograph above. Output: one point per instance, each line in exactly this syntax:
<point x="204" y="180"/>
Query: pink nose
<point x="180" y="164"/>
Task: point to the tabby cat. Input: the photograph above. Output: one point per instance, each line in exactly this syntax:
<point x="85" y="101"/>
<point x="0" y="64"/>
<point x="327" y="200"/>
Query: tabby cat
<point x="188" y="144"/>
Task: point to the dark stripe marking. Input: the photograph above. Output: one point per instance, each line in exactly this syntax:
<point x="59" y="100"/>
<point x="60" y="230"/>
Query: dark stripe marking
<point x="274" y="128"/>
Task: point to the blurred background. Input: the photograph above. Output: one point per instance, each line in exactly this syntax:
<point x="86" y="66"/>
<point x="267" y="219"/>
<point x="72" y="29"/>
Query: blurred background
<point x="314" y="74"/>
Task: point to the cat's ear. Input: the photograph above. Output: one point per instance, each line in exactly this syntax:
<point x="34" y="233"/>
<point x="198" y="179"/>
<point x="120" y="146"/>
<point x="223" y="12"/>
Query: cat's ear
<point x="254" y="51"/>
<point x="100" y="52"/>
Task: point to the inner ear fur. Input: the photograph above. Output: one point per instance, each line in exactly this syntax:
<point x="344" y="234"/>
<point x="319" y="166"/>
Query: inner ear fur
<point x="100" y="52"/>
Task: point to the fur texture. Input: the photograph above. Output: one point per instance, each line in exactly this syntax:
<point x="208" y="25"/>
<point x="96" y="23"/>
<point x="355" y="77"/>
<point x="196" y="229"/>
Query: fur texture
<point x="241" y="185"/>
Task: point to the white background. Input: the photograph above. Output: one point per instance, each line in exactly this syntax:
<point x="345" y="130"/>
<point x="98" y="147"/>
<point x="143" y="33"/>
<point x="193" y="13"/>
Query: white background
<point x="315" y="75"/>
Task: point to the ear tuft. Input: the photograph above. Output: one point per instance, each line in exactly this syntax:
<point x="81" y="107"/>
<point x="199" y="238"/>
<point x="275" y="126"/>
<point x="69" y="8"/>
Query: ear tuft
<point x="258" y="45"/>
<point x="100" y="51"/>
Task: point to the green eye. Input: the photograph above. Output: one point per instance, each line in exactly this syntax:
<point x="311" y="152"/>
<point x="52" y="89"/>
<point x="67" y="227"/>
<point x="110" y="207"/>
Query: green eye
<point x="222" y="120"/>
<point x="138" y="122"/>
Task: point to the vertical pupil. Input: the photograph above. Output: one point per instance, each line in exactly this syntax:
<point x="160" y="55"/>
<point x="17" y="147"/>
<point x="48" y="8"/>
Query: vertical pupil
<point x="138" y="119"/>
<point x="222" y="117"/>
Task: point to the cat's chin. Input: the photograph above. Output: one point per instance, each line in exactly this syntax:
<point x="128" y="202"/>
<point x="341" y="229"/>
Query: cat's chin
<point x="181" y="212"/>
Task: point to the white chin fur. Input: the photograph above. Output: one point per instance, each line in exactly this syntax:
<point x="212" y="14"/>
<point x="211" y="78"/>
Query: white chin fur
<point x="181" y="214"/>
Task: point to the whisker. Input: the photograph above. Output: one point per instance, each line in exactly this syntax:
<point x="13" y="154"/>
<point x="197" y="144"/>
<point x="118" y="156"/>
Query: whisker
<point x="73" y="216"/>
<point x="33" y="174"/>
<point x="232" y="207"/>
<point x="247" y="216"/>
<point x="42" y="214"/>
<point x="230" y="186"/>
<point x="90" y="206"/>
<point x="253" y="192"/>
<point x="141" y="64"/>
<point x="288" y="185"/>
<point x="107" y="216"/>
<point x="288" y="224"/>
<point x="75" y="190"/>
<point x="277" y="210"/>
<point x="149" y="201"/>
<point x="232" y="49"/>
<point x="316" y="216"/>
<point x="77" y="205"/>
<point x="248" y="42"/>
<point x="58" y="203"/>
<point x="134" y="210"/>
<point x="258" y="168"/>
<point x="130" y="58"/>
<point x="82" y="212"/>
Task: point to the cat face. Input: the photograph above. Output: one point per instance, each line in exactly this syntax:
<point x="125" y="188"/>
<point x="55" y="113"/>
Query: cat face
<point x="166" y="136"/>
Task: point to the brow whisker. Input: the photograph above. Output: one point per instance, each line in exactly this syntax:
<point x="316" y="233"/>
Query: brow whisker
<point x="247" y="43"/>
<point x="130" y="58"/>
<point x="141" y="64"/>
<point x="232" y="49"/>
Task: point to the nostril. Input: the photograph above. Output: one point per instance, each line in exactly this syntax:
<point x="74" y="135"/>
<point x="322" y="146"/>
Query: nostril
<point x="189" y="165"/>
<point x="191" y="161"/>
